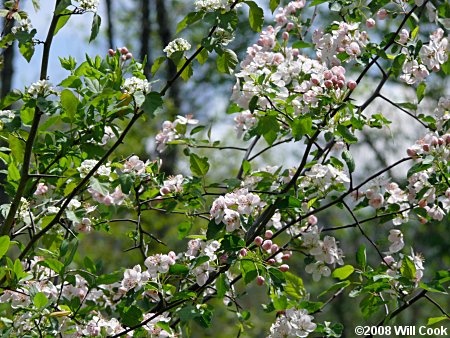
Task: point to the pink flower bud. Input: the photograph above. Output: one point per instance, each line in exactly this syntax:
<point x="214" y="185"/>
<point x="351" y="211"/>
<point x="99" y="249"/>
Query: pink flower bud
<point x="258" y="241"/>
<point x="411" y="152"/>
<point x="289" y="26"/>
<point x="312" y="220"/>
<point x="267" y="245"/>
<point x="111" y="52"/>
<point x="243" y="252"/>
<point x="295" y="52"/>
<point x="328" y="83"/>
<point x="441" y="141"/>
<point x="434" y="141"/>
<point x="327" y="75"/>
<point x="285" y="36"/>
<point x="123" y="50"/>
<point x="268" y="234"/>
<point x="164" y="191"/>
<point x="260" y="280"/>
<point x="382" y="14"/>
<point x="426" y="147"/>
<point x="129" y="56"/>
<point x="370" y="23"/>
<point x="284" y="268"/>
<point x="340" y="84"/>
<point x="315" y="81"/>
<point x="422" y="203"/>
<point x="423" y="220"/>
<point x="271" y="261"/>
<point x="274" y="248"/>
<point x="286" y="256"/>
<point x="123" y="57"/>
<point x="351" y="84"/>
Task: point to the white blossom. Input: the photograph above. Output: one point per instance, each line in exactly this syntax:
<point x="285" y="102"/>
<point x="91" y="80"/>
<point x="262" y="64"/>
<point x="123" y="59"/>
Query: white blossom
<point x="177" y="45"/>
<point x="135" y="84"/>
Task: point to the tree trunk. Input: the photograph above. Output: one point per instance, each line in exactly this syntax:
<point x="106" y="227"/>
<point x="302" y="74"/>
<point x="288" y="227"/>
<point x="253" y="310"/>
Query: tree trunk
<point x="110" y="30"/>
<point x="165" y="35"/>
<point x="146" y="36"/>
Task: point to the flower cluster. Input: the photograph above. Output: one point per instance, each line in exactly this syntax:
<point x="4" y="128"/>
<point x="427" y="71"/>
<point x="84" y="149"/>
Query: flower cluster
<point x="394" y="266"/>
<point x="174" y="184"/>
<point x="87" y="165"/>
<point x="160" y="263"/>
<point x="173" y="131"/>
<point x="244" y="121"/>
<point x="432" y="56"/>
<point x="134" y="165"/>
<point x="229" y="208"/>
<point x="210" y="5"/>
<point x="322" y="177"/>
<point x="135" y="84"/>
<point x="23" y="25"/>
<point x="347" y="39"/>
<point x="197" y="248"/>
<point x="41" y="88"/>
<point x="293" y="323"/>
<point x="115" y="198"/>
<point x="396" y="239"/>
<point x="89" y="5"/>
<point x="325" y="251"/>
<point x="177" y="45"/>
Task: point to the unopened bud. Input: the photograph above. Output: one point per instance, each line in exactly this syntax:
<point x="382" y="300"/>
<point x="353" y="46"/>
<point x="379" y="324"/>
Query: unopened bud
<point x="258" y="241"/>
<point x="243" y="252"/>
<point x="129" y="56"/>
<point x="274" y="248"/>
<point x="382" y="14"/>
<point x="123" y="50"/>
<point x="268" y="234"/>
<point x="285" y="36"/>
<point x="260" y="280"/>
<point x="267" y="245"/>
<point x="289" y="26"/>
<point x="351" y="84"/>
<point x="111" y="52"/>
<point x="370" y="23"/>
<point x="271" y="261"/>
<point x="284" y="268"/>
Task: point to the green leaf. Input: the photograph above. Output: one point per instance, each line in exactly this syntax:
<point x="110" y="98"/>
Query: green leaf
<point x="4" y="245"/>
<point x="274" y="4"/>
<point x="398" y="64"/>
<point x="348" y="158"/>
<point x="13" y="173"/>
<point x="343" y="272"/>
<point x="62" y="20"/>
<point x="199" y="165"/>
<point x="256" y="16"/>
<point x="40" y="300"/>
<point x="62" y="5"/>
<point x="131" y="316"/>
<point x="178" y="269"/>
<point x="268" y="127"/>
<point x="434" y="320"/>
<point x="53" y="264"/>
<point x="336" y="286"/>
<point x="213" y="229"/>
<point x="69" y="102"/>
<point x="408" y="269"/>
<point x="302" y="44"/>
<point x="222" y="286"/>
<point x="9" y="99"/>
<point x="27" y="50"/>
<point x="202" y="57"/>
<point x="346" y="134"/>
<point x="126" y="183"/>
<point x="27" y="115"/>
<point x="183" y="229"/>
<point x="249" y="271"/>
<point x="157" y="64"/>
<point x="96" y="22"/>
<point x="420" y="91"/>
<point x="188" y="20"/>
<point x="301" y="127"/>
<point x="277" y="277"/>
<point x="226" y="63"/>
<point x="98" y="186"/>
<point x="408" y="105"/>
<point x="152" y="104"/>
<point x="361" y="256"/>
<point x="294" y="286"/>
